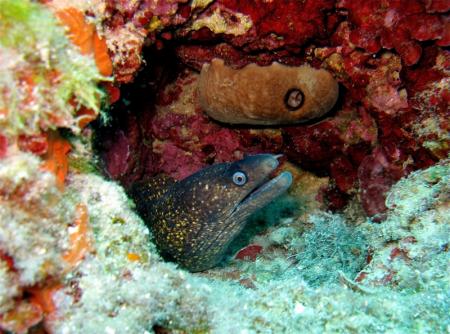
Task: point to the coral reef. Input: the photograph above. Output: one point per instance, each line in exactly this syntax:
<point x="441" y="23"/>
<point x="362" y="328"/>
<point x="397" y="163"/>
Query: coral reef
<point x="179" y="139"/>
<point x="400" y="25"/>
<point x="126" y="287"/>
<point x="390" y="118"/>
<point x="417" y="232"/>
<point x="33" y="237"/>
<point x="75" y="257"/>
<point x="275" y="94"/>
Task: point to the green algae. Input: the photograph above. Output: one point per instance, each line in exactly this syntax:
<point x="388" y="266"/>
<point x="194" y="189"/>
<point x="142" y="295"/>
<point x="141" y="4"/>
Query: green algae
<point x="44" y="79"/>
<point x="330" y="248"/>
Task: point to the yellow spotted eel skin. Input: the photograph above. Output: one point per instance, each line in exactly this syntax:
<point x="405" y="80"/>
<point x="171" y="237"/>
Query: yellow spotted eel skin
<point x="193" y="221"/>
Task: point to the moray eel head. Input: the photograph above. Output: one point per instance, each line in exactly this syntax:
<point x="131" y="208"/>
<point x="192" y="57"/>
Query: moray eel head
<point x="196" y="219"/>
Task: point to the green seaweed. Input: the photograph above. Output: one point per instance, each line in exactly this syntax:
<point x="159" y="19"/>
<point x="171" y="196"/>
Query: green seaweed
<point x="37" y="49"/>
<point x="329" y="248"/>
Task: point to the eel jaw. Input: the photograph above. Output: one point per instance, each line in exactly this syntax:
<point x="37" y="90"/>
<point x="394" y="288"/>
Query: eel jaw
<point x="261" y="196"/>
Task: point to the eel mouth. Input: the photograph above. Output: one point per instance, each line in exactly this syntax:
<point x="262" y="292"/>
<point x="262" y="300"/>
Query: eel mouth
<point x="263" y="194"/>
<point x="273" y="187"/>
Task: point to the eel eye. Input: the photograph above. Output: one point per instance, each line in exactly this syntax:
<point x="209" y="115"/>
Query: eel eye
<point x="239" y="178"/>
<point x="294" y="99"/>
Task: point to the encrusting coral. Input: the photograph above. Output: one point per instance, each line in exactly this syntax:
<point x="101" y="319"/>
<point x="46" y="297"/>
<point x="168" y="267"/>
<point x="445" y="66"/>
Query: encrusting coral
<point x="45" y="84"/>
<point x="412" y="243"/>
<point x="33" y="237"/>
<point x="275" y="94"/>
<point x="390" y="118"/>
<point x="123" y="286"/>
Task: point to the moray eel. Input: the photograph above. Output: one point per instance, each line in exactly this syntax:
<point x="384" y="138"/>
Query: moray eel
<point x="265" y="95"/>
<point x="193" y="221"/>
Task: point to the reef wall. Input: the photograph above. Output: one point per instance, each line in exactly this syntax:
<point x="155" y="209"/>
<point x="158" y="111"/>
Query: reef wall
<point x="388" y="56"/>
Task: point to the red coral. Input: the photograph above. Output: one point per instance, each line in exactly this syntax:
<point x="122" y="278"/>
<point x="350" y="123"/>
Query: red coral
<point x="113" y="92"/>
<point x="116" y="159"/>
<point x="176" y="162"/>
<point x="344" y="173"/>
<point x="125" y="154"/>
<point x="395" y="24"/>
<point x="333" y="198"/>
<point x="36" y="144"/>
<point x="314" y="146"/>
<point x="385" y="102"/>
<point x="3" y="146"/>
<point x="276" y="24"/>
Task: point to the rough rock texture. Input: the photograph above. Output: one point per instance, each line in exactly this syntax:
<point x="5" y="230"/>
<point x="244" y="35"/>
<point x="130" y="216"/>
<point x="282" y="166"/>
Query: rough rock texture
<point x="126" y="287"/>
<point x="417" y="227"/>
<point x="33" y="238"/>
<point x="178" y="138"/>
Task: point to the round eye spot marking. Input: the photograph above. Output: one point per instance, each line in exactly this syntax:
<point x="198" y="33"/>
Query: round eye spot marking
<point x="294" y="99"/>
<point x="239" y="178"/>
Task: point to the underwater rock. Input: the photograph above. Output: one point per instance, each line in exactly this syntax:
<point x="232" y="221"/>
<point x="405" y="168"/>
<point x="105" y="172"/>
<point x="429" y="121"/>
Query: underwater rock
<point x="195" y="220"/>
<point x="393" y="120"/>
<point x="276" y="94"/>
<point x="301" y="22"/>
<point x="176" y="138"/>
<point x="368" y="51"/>
<point x="44" y="79"/>
<point x="249" y="253"/>
<point x="33" y="237"/>
<point x="376" y="174"/>
<point x="118" y="293"/>
<point x="411" y="245"/>
<point x="429" y="87"/>
<point x="399" y="25"/>
<point x="124" y="284"/>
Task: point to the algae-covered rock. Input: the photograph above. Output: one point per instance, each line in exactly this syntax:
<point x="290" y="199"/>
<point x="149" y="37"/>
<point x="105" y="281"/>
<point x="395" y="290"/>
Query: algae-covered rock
<point x="123" y="286"/>
<point x="411" y="246"/>
<point x="33" y="227"/>
<point x="44" y="78"/>
<point x="120" y="292"/>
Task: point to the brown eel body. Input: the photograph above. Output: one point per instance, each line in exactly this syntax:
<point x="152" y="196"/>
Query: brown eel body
<point x="193" y="221"/>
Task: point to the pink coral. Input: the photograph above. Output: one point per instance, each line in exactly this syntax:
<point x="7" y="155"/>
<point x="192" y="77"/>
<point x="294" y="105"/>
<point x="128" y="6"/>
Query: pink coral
<point x="394" y="24"/>
<point x="376" y="174"/>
